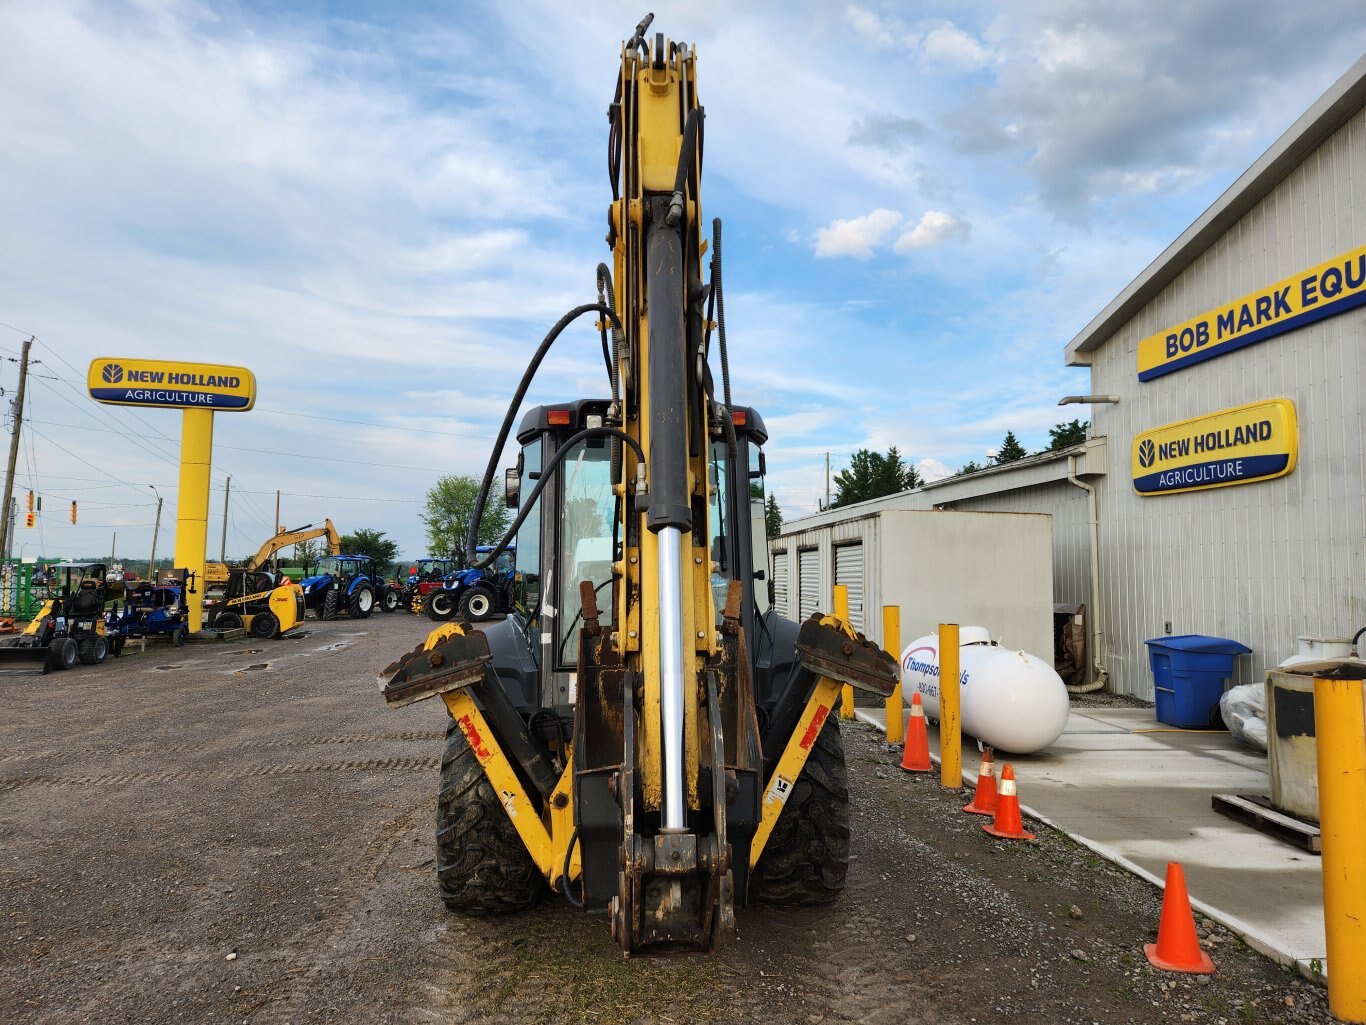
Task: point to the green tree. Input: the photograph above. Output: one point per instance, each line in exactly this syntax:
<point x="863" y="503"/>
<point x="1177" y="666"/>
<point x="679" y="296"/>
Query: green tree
<point x="971" y="466"/>
<point x="773" y="517"/>
<point x="450" y="508"/>
<point x="1010" y="449"/>
<point x="307" y="553"/>
<point x="372" y="543"/>
<point x="1067" y="435"/>
<point x="873" y="475"/>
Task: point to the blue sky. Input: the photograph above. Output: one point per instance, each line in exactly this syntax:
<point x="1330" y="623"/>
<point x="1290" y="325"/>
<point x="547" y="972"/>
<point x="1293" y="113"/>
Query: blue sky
<point x="380" y="209"/>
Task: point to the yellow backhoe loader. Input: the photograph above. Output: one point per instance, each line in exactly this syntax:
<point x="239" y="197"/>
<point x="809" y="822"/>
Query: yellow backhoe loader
<point x="641" y="734"/>
<point x="252" y="600"/>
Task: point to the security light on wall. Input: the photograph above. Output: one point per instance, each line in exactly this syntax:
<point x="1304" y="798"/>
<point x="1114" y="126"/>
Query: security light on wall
<point x="1086" y="400"/>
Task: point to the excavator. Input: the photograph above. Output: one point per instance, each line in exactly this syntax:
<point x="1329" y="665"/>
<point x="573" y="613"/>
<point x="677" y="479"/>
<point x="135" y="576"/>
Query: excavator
<point x="637" y="735"/>
<point x="253" y="601"/>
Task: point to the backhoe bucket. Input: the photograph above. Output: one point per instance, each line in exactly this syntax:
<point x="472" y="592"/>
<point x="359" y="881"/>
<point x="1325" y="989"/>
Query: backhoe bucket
<point x="25" y="659"/>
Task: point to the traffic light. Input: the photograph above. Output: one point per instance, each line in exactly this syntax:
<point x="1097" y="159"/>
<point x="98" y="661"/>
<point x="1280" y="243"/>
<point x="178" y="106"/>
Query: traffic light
<point x="73" y="510"/>
<point x="28" y="519"/>
<point x="30" y="503"/>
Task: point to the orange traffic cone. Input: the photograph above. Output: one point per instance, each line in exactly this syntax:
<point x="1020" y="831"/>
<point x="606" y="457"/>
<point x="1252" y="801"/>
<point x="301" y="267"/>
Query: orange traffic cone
<point x="916" y="755"/>
<point x="984" y="797"/>
<point x="1177" y="948"/>
<point x="1007" y="824"/>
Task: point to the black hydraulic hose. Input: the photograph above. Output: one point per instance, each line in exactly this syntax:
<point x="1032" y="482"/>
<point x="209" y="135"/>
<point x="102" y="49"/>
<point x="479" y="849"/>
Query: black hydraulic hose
<point x="719" y="293"/>
<point x="638" y="40"/>
<point x="564" y="875"/>
<point x="608" y="298"/>
<point x="691" y="128"/>
<point x="546" y="473"/>
<point x="482" y="498"/>
<point x="1356" y="637"/>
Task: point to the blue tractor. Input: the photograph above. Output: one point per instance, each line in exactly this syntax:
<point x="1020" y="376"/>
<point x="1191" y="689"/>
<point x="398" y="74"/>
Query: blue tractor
<point x="475" y="594"/>
<point x="150" y="610"/>
<point x="345" y="585"/>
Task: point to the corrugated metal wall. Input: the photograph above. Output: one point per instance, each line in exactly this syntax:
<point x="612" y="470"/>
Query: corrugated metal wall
<point x="1264" y="562"/>
<point x="1071" y="531"/>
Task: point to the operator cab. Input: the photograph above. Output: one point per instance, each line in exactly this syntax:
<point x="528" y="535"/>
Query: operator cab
<point x="536" y="649"/>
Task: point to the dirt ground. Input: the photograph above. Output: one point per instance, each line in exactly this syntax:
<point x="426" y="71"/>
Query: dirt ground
<point x="243" y="833"/>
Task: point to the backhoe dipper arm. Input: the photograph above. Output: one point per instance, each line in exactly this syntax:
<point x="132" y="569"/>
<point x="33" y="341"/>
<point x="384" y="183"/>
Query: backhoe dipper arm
<point x="289" y="537"/>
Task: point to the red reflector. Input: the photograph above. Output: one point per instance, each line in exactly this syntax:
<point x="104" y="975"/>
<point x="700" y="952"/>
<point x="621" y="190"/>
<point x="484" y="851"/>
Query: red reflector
<point x="739" y="417"/>
<point x="559" y="418"/>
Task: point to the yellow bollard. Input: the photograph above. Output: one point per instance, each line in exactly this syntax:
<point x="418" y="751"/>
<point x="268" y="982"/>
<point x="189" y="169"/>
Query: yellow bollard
<point x="891" y="643"/>
<point x="192" y="505"/>
<point x="842" y="613"/>
<point x="1340" y="723"/>
<point x="950" y="719"/>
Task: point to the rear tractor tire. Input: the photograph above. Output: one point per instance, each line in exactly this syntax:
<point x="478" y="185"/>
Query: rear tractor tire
<point x="806" y="858"/>
<point x="482" y="866"/>
<point x="362" y="602"/>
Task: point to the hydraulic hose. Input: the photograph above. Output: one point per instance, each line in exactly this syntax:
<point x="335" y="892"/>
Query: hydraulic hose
<point x="546" y="471"/>
<point x="719" y="294"/>
<point x="482" y="499"/>
<point x="608" y="298"/>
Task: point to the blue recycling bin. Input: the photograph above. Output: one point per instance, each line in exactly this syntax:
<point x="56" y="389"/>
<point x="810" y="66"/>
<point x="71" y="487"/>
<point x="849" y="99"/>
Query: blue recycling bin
<point x="1189" y="672"/>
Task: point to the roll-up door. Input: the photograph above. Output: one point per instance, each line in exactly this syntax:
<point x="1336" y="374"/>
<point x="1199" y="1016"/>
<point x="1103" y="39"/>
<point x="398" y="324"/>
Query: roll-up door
<point x="808" y="582"/>
<point x="780" y="574"/>
<point x="849" y="572"/>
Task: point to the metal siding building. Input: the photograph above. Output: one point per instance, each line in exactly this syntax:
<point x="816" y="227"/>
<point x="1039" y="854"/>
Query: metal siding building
<point x="1258" y="562"/>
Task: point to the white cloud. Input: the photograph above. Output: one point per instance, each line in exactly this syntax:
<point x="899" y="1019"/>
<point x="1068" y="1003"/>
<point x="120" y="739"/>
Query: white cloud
<point x="868" y="24"/>
<point x="949" y="44"/>
<point x="934" y="228"/>
<point x="858" y="236"/>
<point x="931" y="470"/>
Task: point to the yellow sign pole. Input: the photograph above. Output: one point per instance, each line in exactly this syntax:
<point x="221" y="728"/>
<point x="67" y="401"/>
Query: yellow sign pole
<point x="891" y="643"/>
<point x="842" y="614"/>
<point x="192" y="518"/>
<point x="1340" y="724"/>
<point x="950" y="717"/>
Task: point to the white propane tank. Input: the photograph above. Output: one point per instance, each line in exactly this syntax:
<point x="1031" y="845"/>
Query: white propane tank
<point x="1010" y="699"/>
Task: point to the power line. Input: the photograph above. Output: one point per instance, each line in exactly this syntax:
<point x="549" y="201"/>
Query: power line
<point x="368" y="423"/>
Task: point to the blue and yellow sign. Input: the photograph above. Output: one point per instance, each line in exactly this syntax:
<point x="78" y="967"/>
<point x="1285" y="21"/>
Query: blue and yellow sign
<point x="171" y="384"/>
<point x="1258" y="441"/>
<point x="1323" y="291"/>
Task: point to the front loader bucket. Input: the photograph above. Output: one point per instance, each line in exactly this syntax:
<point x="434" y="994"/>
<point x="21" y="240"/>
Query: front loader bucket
<point x="25" y="659"/>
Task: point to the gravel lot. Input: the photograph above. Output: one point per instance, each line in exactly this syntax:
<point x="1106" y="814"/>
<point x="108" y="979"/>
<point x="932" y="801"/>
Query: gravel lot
<point x="242" y="833"/>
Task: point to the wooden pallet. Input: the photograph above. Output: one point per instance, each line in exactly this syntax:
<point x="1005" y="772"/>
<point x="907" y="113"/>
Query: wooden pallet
<point x="1257" y="812"/>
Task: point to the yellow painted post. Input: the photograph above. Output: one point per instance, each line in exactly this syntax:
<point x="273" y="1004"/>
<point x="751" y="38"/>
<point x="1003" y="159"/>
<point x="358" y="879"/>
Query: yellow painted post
<point x="891" y="643"/>
<point x="1340" y="723"/>
<point x="950" y="718"/>
<point x="842" y="614"/>
<point x="192" y="504"/>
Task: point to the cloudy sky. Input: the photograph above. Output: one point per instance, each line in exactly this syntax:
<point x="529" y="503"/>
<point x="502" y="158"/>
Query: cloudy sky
<point x="381" y="208"/>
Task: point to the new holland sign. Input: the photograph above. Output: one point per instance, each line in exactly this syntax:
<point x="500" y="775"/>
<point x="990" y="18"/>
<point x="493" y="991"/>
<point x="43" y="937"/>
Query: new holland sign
<point x="1330" y="288"/>
<point x="171" y="384"/>
<point x="1258" y="441"/>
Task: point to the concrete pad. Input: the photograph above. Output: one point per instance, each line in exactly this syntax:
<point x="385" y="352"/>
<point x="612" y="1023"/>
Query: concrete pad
<point x="1138" y="793"/>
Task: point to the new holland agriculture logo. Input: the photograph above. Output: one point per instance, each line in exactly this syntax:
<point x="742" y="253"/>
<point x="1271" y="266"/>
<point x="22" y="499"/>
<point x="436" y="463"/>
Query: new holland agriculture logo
<point x="1255" y="442"/>
<point x="1147" y="452"/>
<point x="1330" y="288"/>
<point x="144" y="382"/>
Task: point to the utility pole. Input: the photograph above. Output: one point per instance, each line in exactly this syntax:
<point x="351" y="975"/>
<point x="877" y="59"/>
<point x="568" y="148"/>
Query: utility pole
<point x="5" y="529"/>
<point x="156" y="529"/>
<point x="827" y="480"/>
<point x="113" y="550"/>
<point x="275" y="559"/>
<point x="223" y="549"/>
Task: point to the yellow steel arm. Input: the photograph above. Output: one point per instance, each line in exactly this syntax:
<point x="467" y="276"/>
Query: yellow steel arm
<point x="290" y="537"/>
